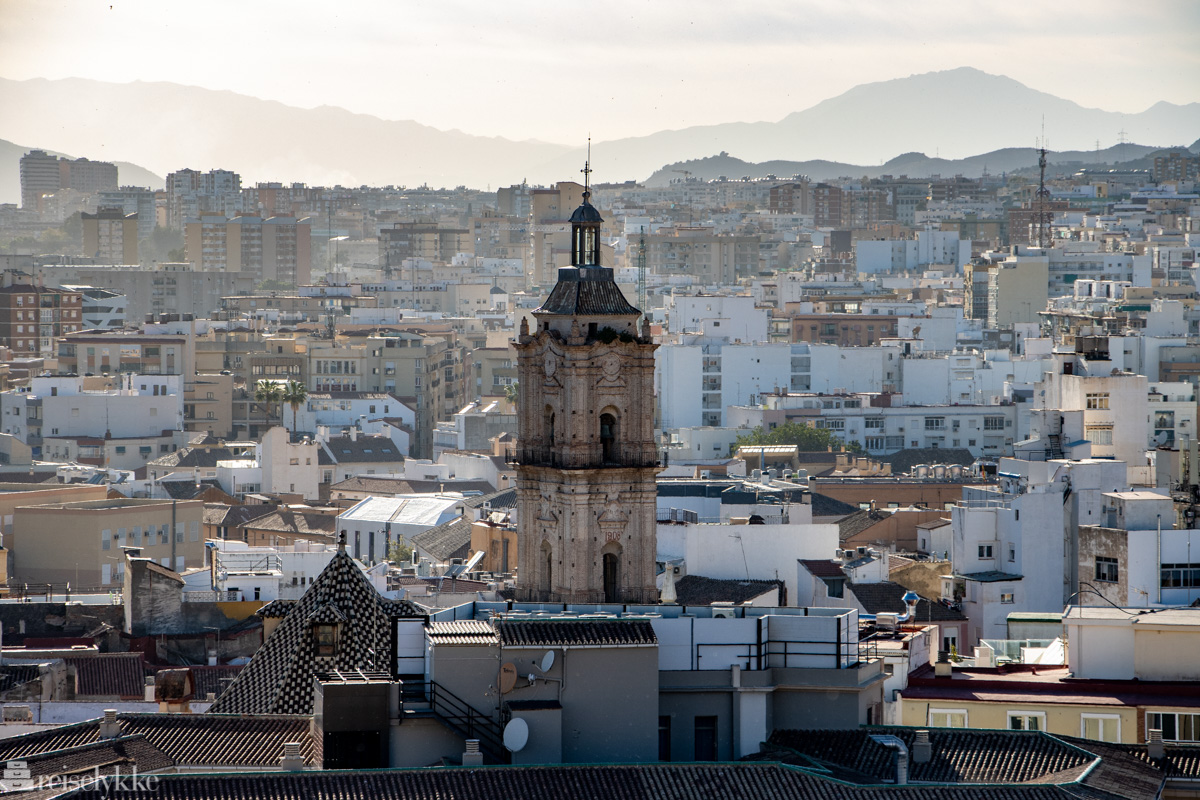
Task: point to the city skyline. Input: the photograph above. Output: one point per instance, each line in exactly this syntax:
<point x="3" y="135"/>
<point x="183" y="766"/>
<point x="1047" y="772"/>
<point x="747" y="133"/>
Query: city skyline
<point x="502" y="70"/>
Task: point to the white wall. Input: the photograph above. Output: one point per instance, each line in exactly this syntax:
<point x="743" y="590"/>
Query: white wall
<point x="760" y="552"/>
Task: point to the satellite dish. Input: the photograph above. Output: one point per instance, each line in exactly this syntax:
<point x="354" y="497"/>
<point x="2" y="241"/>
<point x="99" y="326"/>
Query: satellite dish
<point x="516" y="735"/>
<point x="547" y="661"/>
<point x="508" y="678"/>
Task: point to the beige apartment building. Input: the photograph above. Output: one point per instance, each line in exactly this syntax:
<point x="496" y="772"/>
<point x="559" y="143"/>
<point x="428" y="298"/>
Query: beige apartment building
<point x="550" y="232"/>
<point x="111" y="236"/>
<point x="709" y="257"/>
<point x="80" y="542"/>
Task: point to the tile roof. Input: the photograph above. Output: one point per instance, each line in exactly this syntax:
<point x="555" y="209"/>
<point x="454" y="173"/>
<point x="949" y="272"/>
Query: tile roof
<point x="123" y="755"/>
<point x="823" y="567"/>
<point x="958" y="756"/>
<point x="720" y="781"/>
<point x="696" y="590"/>
<point x="300" y="522"/>
<point x="464" y="631"/>
<point x="362" y="450"/>
<point x="14" y="675"/>
<point x="187" y="739"/>
<point x="445" y="541"/>
<point x="586" y="291"/>
<point x="194" y="457"/>
<point x="276" y="609"/>
<point x="861" y="520"/>
<point x="885" y="596"/>
<point x="212" y="679"/>
<point x="826" y="506"/>
<point x="575" y="633"/>
<point x="279" y="677"/>
<point x="903" y="461"/>
<point x="109" y="675"/>
<point x="222" y="515"/>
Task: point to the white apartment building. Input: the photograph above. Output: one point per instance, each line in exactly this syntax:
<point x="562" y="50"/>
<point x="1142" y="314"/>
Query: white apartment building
<point x="734" y="318"/>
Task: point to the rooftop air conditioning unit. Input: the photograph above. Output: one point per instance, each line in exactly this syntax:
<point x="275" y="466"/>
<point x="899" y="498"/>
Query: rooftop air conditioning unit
<point x="723" y="610"/>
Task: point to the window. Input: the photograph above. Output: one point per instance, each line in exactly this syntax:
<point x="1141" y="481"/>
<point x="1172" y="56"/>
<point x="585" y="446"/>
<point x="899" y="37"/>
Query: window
<point x="1175" y="727"/>
<point x="1097" y="400"/>
<point x="948" y="717"/>
<point x="706" y="739"/>
<point x="1099" y="435"/>
<point x="985" y="551"/>
<point x="105" y="540"/>
<point x="1006" y="598"/>
<point x="935" y="423"/>
<point x="664" y="738"/>
<point x="1100" y="727"/>
<point x="325" y="637"/>
<point x="1027" y="720"/>
<point x="993" y="423"/>
<point x="1176" y="576"/>
<point x="1106" y="569"/>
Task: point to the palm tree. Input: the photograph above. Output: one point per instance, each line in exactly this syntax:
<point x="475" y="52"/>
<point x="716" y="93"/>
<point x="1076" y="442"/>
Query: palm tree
<point x="294" y="394"/>
<point x="267" y="393"/>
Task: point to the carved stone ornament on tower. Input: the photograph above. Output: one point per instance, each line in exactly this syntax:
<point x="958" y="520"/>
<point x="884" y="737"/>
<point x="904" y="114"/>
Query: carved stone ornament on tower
<point x="586" y="457"/>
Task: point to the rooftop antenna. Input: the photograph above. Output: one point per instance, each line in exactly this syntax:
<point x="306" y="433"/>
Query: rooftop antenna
<point x="1042" y="215"/>
<point x="641" y="266"/>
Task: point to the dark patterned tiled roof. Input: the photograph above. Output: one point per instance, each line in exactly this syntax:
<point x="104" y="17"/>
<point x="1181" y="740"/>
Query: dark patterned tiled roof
<point x="740" y="781"/>
<point x="300" y="522"/>
<point x="574" y="633"/>
<point x="189" y="739"/>
<point x="276" y="609"/>
<point x="279" y="677"/>
<point x="586" y="291"/>
<point x="885" y="596"/>
<point x="109" y="674"/>
<point x="194" y="457"/>
<point x="696" y="590"/>
<point x="958" y="756"/>
<point x="363" y="450"/>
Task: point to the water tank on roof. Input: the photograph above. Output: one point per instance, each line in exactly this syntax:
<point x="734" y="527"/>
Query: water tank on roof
<point x="939" y="472"/>
<point x="921" y="470"/>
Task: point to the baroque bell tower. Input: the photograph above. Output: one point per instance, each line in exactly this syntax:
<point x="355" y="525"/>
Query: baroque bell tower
<point x="587" y="459"/>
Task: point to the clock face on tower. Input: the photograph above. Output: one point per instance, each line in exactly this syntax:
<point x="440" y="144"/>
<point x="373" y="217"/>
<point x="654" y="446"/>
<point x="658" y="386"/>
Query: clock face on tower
<point x="611" y="366"/>
<point x="551" y="363"/>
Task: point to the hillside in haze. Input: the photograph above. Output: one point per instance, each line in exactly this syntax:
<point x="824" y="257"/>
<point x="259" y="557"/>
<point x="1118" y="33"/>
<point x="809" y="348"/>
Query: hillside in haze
<point x="10" y="172"/>
<point x="165" y="127"/>
<point x="914" y="165"/>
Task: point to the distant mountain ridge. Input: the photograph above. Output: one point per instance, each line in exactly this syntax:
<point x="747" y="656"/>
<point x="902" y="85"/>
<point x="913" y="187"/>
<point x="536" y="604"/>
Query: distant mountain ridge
<point x="167" y="127"/>
<point x="913" y="165"/>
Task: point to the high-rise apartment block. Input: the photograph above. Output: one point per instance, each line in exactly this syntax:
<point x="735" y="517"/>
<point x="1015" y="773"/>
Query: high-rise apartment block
<point x="42" y="173"/>
<point x="191" y="194"/>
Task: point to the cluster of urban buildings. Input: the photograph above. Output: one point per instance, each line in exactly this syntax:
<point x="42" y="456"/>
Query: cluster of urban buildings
<point x="374" y="479"/>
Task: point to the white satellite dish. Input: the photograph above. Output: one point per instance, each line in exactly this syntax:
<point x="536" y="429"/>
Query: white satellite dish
<point x="516" y="735"/>
<point x="547" y="661"/>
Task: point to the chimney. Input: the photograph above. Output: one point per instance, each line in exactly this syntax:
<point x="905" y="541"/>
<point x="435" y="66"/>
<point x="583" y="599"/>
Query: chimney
<point x="942" y="668"/>
<point x="353" y="434"/>
<point x="922" y="749"/>
<point x="292" y="761"/>
<point x="1154" y="745"/>
<point x="109" y="727"/>
<point x="472" y="757"/>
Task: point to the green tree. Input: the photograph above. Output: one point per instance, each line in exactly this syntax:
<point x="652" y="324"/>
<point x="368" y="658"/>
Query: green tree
<point x="511" y="392"/>
<point x="268" y="393"/>
<point x="294" y="393"/>
<point x="401" y="551"/>
<point x="805" y="437"/>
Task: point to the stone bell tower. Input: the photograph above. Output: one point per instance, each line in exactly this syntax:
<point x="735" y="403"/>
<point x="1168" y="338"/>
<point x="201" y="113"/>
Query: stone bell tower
<point x="586" y="456"/>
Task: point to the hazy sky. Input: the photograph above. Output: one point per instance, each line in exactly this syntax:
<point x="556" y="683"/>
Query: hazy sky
<point x="557" y="71"/>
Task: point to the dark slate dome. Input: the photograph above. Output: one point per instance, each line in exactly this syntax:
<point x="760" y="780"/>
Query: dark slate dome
<point x="586" y="212"/>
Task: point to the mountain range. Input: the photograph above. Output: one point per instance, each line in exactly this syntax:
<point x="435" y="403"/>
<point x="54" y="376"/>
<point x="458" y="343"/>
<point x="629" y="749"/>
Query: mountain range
<point x="955" y="114"/>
